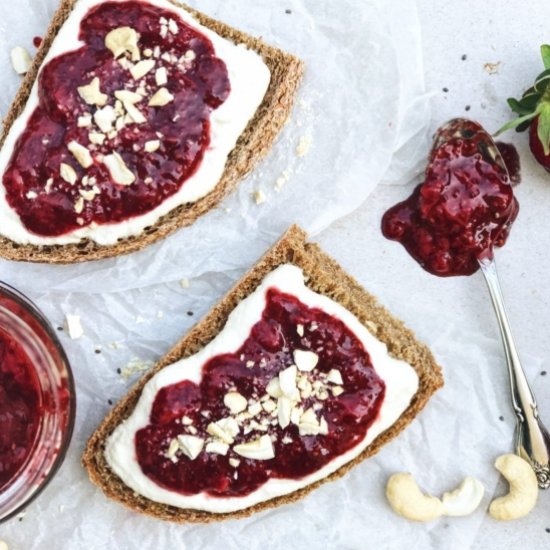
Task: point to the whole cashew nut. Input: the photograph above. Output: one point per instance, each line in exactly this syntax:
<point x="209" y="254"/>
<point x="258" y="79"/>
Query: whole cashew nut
<point x="464" y="499"/>
<point x="523" y="488"/>
<point x="407" y="500"/>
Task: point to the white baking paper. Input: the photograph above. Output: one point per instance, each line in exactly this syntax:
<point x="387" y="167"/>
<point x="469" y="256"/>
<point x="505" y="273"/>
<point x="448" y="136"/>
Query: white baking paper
<point x="362" y="105"/>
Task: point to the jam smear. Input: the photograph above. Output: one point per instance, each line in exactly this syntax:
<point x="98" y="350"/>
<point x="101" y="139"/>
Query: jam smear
<point x="464" y="208"/>
<point x="20" y="408"/>
<point x="270" y="347"/>
<point x="510" y="156"/>
<point x="37" y="41"/>
<point x="47" y="203"/>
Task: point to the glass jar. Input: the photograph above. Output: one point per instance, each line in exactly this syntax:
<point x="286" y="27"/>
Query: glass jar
<point x="25" y="330"/>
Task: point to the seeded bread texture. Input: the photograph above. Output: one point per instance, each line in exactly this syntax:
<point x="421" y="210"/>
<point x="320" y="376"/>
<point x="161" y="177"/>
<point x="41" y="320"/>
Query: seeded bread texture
<point x="252" y="146"/>
<point x="325" y="277"/>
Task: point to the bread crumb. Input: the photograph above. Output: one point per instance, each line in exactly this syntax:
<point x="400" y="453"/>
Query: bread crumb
<point x="135" y="366"/>
<point x="259" y="197"/>
<point x="304" y="145"/>
<point x="281" y="181"/>
<point x="21" y="60"/>
<point x="73" y="326"/>
<point x="160" y="314"/>
<point x="139" y="320"/>
<point x="3" y="545"/>
<point x="115" y="345"/>
<point x="492" y="68"/>
<point x="184" y="283"/>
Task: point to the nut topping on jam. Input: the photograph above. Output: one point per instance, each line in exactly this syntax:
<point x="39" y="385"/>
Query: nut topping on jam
<point x="122" y="40"/>
<point x="118" y="169"/>
<point x="235" y="402"/>
<point x="190" y="445"/>
<point x="305" y="360"/>
<point x="259" y="449"/>
<point x="161" y="98"/>
<point x="81" y="154"/>
<point x="91" y="93"/>
<point x="67" y="173"/>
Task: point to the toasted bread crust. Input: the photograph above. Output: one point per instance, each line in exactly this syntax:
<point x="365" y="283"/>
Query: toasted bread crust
<point x="252" y="146"/>
<point x="324" y="276"/>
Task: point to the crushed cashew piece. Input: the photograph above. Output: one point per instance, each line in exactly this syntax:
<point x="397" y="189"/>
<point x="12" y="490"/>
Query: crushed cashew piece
<point x="118" y="169"/>
<point x="79" y="205"/>
<point x="73" y="326"/>
<point x="306" y="361"/>
<point x="122" y="40"/>
<point x="68" y="173"/>
<point x="84" y="121"/>
<point x="21" y="60"/>
<point x="259" y="197"/>
<point x="96" y="138"/>
<point x="139" y="70"/>
<point x="259" y="449"/>
<point x="191" y="445"/>
<point x="91" y="93"/>
<point x="152" y="146"/>
<point x="161" y="76"/>
<point x="134" y="113"/>
<point x="235" y="402"/>
<point x="105" y="117"/>
<point x="81" y="154"/>
<point x="217" y="447"/>
<point x="161" y="98"/>
<point x="127" y="95"/>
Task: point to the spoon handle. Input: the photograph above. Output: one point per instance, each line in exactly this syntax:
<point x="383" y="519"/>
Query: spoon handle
<point x="532" y="438"/>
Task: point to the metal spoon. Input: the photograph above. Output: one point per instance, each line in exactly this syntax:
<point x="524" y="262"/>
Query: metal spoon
<point x="532" y="438"/>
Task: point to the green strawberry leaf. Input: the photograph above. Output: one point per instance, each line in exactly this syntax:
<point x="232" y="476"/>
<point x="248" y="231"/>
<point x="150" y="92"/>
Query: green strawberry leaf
<point x="545" y="54"/>
<point x="542" y="81"/>
<point x="523" y="126"/>
<point x="543" y="129"/>
<point x="516" y="122"/>
<point x="529" y="101"/>
<point x="525" y="105"/>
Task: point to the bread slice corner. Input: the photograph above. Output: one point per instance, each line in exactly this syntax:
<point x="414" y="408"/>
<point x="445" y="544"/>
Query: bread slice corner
<point x="252" y="146"/>
<point x="324" y="276"/>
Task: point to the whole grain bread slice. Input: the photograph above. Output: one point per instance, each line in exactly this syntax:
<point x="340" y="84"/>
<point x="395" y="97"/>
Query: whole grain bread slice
<point x="324" y="276"/>
<point x="253" y="145"/>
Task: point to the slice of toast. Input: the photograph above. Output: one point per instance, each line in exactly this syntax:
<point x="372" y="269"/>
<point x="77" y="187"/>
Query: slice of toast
<point x="323" y="276"/>
<point x="252" y="146"/>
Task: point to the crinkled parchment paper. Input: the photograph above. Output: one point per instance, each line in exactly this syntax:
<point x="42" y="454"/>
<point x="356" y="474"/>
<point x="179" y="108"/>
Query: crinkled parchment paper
<point x="362" y="105"/>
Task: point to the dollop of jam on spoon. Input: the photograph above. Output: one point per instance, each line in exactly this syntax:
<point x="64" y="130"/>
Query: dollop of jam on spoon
<point x="464" y="208"/>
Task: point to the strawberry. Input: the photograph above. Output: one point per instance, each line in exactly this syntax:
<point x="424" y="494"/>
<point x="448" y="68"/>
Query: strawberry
<point x="533" y="110"/>
<point x="536" y="145"/>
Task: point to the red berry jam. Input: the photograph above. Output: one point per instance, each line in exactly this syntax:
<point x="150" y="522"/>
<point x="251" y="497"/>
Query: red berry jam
<point x="50" y="204"/>
<point x="37" y="41"/>
<point x="464" y="208"/>
<point x="510" y="157"/>
<point x="267" y="351"/>
<point x="20" y="408"/>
